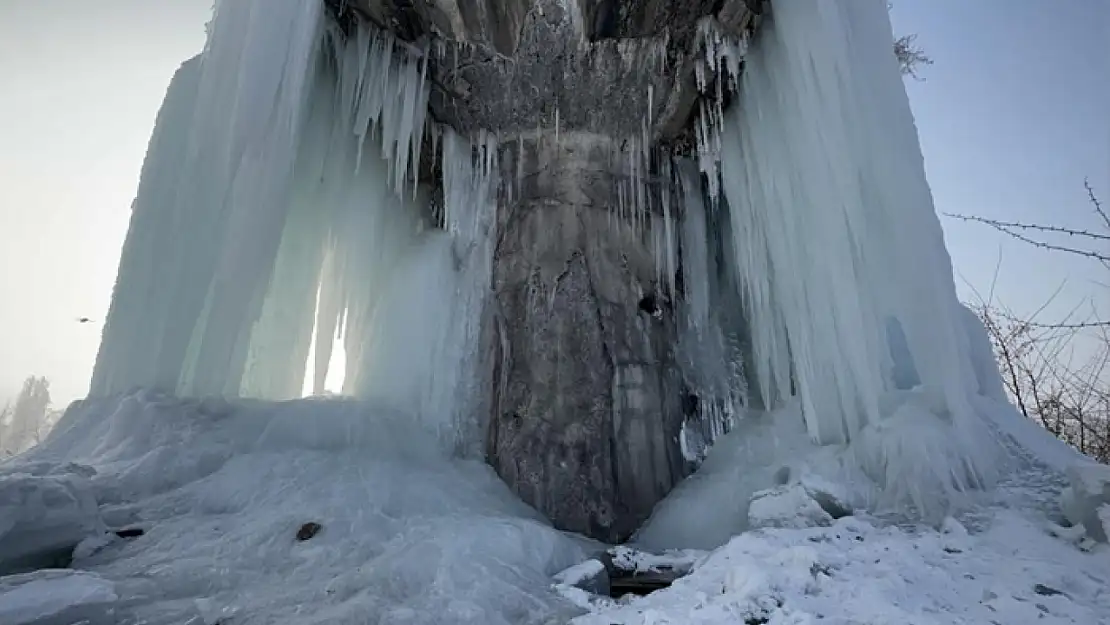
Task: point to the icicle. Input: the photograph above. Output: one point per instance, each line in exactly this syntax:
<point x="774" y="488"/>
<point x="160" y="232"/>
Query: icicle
<point x="421" y="346"/>
<point x="834" y="234"/>
<point x="217" y="274"/>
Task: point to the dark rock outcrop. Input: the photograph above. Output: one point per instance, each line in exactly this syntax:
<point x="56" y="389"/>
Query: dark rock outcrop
<point x="587" y="404"/>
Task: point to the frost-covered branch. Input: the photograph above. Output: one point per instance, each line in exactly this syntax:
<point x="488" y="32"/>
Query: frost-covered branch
<point x="910" y="56"/>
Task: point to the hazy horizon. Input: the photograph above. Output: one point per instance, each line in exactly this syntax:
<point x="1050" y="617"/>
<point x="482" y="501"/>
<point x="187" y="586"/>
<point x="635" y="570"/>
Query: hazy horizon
<point x="1012" y="117"/>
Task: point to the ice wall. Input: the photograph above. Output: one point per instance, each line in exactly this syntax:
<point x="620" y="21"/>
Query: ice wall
<point x="212" y="203"/>
<point x="279" y="195"/>
<point x="846" y="284"/>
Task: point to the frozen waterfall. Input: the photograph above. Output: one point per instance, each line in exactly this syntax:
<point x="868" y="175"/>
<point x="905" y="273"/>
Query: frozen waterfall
<point x="281" y="197"/>
<point x="280" y="194"/>
<point x="838" y="253"/>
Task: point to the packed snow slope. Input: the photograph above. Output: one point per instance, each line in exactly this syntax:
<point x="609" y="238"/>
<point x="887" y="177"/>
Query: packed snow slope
<point x="410" y="535"/>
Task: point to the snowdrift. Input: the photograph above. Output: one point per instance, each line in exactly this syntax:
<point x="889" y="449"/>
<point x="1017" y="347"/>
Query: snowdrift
<point x="220" y="489"/>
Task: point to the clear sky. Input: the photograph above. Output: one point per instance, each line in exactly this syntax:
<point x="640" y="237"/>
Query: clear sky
<point x="1013" y="115"/>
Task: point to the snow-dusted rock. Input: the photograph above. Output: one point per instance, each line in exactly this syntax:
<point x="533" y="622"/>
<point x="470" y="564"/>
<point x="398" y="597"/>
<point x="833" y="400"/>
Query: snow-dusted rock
<point x="788" y="506"/>
<point x="56" y="597"/>
<point x="590" y="576"/>
<point x="1088" y="493"/>
<point x="43" y="514"/>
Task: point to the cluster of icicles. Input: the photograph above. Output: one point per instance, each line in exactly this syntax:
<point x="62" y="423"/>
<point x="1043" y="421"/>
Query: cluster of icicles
<point x="280" y="196"/>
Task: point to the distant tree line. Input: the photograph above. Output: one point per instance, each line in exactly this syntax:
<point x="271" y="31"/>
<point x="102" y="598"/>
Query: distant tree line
<point x="27" y="421"/>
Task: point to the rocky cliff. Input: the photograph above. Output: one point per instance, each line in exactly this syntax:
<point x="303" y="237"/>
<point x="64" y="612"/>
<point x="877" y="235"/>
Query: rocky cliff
<point x="588" y="99"/>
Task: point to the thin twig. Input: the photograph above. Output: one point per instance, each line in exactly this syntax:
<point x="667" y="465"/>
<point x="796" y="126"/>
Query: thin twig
<point x="1094" y="202"/>
<point x="1006" y="226"/>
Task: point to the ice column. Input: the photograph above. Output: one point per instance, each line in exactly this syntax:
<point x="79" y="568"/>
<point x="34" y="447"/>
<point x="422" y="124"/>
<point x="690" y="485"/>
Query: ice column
<point x="134" y="328"/>
<point x="834" y="230"/>
<point x="421" y="346"/>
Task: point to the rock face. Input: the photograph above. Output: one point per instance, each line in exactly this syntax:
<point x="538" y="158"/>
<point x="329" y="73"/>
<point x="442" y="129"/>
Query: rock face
<point x="587" y="397"/>
<point x="587" y="404"/>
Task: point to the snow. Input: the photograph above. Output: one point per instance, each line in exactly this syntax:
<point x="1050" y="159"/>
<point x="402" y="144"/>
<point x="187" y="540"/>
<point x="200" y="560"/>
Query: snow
<point x="409" y="535"/>
<point x="1085" y="500"/>
<point x="579" y="572"/>
<point x="763" y="451"/>
<point x="786" y="506"/>
<point x="55" y="597"/>
<point x="857" y="571"/>
<point x="627" y="559"/>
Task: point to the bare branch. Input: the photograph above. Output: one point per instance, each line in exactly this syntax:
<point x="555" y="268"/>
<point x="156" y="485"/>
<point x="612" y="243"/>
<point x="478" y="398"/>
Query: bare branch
<point x="1094" y="202"/>
<point x="910" y="56"/>
<point x="1006" y="225"/>
<point x="1008" y="229"/>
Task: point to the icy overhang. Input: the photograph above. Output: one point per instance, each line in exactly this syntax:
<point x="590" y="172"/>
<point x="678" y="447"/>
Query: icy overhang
<point x="612" y="67"/>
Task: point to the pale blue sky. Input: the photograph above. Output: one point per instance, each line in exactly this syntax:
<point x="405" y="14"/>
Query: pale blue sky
<point x="1013" y="115"/>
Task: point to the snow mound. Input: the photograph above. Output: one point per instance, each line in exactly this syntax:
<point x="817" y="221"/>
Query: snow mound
<point x="763" y="451"/>
<point x="922" y="459"/>
<point x="408" y="534"/>
<point x="857" y="572"/>
<point x="54" y="597"/>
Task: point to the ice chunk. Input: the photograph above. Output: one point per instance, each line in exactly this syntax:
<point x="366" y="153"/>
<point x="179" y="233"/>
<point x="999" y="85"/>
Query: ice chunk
<point x="920" y="457"/>
<point x="43" y="518"/>
<point x="1086" y="500"/>
<point x="786" y="506"/>
<point x="55" y="597"/>
<point x="580" y="573"/>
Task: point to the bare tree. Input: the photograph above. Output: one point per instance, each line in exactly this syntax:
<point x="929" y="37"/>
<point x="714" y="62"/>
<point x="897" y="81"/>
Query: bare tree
<point x="24" y="423"/>
<point x="910" y="57"/>
<point x="1067" y="394"/>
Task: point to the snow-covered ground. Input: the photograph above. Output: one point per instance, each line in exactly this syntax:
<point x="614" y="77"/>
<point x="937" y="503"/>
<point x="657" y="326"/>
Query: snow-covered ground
<point x="1002" y="563"/>
<point x="220" y="490"/>
<point x="1008" y="570"/>
<point x="410" y="536"/>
